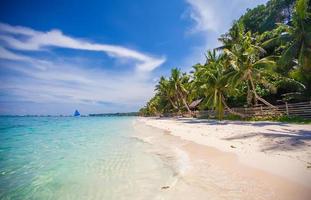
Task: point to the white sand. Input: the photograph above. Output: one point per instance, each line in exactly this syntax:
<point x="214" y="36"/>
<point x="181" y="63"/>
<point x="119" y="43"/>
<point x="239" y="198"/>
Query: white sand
<point x="280" y="152"/>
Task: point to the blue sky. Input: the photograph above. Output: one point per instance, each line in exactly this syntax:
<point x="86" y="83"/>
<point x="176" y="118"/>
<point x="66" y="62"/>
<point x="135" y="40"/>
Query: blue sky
<point x="101" y="56"/>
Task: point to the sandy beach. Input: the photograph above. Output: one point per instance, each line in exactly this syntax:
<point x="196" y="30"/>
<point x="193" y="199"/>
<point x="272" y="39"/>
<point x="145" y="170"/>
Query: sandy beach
<point x="231" y="159"/>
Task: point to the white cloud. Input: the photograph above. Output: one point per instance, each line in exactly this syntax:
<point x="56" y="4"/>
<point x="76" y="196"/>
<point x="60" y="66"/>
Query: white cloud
<point x="211" y="19"/>
<point x="29" y="73"/>
<point x="17" y="29"/>
<point x="9" y="55"/>
<point x="203" y="13"/>
<point x="68" y="83"/>
<point x="211" y="15"/>
<point x="37" y="40"/>
<point x="6" y="54"/>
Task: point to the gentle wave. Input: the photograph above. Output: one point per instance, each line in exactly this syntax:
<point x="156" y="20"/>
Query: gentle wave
<point x="166" y="147"/>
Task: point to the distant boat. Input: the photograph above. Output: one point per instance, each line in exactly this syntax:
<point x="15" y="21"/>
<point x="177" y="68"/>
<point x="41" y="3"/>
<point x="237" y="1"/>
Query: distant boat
<point x="76" y="114"/>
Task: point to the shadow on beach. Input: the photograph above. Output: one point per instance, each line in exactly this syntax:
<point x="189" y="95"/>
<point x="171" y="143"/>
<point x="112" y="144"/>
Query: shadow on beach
<point x="228" y="122"/>
<point x="279" y="140"/>
<point x="275" y="139"/>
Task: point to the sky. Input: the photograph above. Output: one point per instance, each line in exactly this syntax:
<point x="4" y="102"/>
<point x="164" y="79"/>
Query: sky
<point x="101" y="56"/>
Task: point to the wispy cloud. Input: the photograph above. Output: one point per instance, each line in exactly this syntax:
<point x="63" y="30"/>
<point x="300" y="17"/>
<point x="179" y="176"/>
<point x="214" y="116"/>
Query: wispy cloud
<point x="65" y="83"/>
<point x="217" y="16"/>
<point x="211" y="19"/>
<point x="37" y="40"/>
<point x="6" y="54"/>
<point x="204" y="15"/>
<point x="57" y="81"/>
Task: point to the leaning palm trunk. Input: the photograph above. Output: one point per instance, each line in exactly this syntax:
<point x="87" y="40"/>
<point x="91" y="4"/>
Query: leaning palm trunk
<point x="256" y="96"/>
<point x="263" y="101"/>
<point x="187" y="107"/>
<point x="185" y="103"/>
<point x="172" y="103"/>
<point x="230" y="110"/>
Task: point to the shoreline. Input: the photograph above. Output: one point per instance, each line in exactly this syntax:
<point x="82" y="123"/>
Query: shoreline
<point x="273" y="175"/>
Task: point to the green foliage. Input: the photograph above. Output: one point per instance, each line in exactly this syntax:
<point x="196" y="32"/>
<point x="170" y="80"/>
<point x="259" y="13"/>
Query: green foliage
<point x="212" y="81"/>
<point x="293" y="119"/>
<point x="284" y="118"/>
<point x="265" y="17"/>
<point x="264" y="57"/>
<point x="295" y="37"/>
<point x="233" y="117"/>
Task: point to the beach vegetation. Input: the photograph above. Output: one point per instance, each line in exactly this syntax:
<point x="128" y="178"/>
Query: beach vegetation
<point x="263" y="59"/>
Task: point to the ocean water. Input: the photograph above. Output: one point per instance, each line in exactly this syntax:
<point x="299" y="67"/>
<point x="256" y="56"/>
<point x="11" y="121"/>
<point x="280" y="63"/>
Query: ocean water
<point x="76" y="158"/>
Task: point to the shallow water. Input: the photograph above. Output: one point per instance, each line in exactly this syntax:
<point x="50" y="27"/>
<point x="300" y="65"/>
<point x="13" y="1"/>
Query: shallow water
<point x="76" y="158"/>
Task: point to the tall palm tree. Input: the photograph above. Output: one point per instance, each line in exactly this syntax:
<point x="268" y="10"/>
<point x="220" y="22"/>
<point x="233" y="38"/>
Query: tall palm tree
<point x="152" y="106"/>
<point x="164" y="89"/>
<point x="297" y="36"/>
<point x="235" y="35"/>
<point x="246" y="58"/>
<point x="179" y="83"/>
<point x="212" y="80"/>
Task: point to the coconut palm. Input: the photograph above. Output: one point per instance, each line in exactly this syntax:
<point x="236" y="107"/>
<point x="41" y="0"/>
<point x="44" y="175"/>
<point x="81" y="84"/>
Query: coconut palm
<point x="246" y="58"/>
<point x="164" y="89"/>
<point x="296" y="36"/>
<point x="212" y="80"/>
<point x="242" y="64"/>
<point x="178" y="82"/>
<point x="235" y="35"/>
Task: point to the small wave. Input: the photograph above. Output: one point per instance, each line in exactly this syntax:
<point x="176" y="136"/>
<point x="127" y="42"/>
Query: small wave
<point x="146" y="140"/>
<point x="179" y="162"/>
<point x="183" y="163"/>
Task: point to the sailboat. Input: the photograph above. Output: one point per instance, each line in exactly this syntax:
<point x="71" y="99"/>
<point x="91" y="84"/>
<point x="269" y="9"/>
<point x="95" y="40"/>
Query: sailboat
<point x="76" y="114"/>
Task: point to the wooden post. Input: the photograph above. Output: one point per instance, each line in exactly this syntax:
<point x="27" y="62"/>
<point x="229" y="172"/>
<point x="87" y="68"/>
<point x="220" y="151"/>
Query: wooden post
<point x="287" y="111"/>
<point x="261" y="113"/>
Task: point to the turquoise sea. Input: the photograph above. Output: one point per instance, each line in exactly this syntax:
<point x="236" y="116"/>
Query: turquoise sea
<point x="76" y="158"/>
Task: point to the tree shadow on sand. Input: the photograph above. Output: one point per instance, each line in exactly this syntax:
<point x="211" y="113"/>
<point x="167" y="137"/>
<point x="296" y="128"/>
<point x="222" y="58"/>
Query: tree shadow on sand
<point x="276" y="140"/>
<point x="273" y="140"/>
<point x="227" y="122"/>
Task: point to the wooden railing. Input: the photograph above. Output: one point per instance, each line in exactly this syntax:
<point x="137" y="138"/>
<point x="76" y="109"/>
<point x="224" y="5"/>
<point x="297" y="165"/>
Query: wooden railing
<point x="302" y="109"/>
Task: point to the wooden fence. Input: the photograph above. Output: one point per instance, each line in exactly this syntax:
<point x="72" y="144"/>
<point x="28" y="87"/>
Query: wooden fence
<point x="302" y="109"/>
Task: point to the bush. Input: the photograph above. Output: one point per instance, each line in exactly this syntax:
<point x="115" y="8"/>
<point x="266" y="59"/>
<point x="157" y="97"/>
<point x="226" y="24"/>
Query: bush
<point x="233" y="117"/>
<point x="294" y="119"/>
<point x="284" y="118"/>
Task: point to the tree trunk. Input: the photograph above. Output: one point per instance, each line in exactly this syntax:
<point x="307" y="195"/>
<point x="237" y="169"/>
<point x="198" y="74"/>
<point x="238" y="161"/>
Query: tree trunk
<point x="172" y="103"/>
<point x="253" y="89"/>
<point x="256" y="95"/>
<point x="230" y="110"/>
<point x="220" y="107"/>
<point x="264" y="101"/>
<point x="250" y="94"/>
<point x="185" y="103"/>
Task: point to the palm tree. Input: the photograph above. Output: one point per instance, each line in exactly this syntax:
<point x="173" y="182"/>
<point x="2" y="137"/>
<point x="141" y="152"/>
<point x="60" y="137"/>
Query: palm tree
<point x="234" y="36"/>
<point x="246" y="59"/>
<point x="212" y="80"/>
<point x="178" y="82"/>
<point x="297" y="36"/>
<point x="164" y="89"/>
